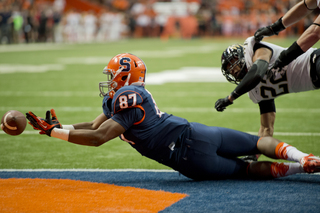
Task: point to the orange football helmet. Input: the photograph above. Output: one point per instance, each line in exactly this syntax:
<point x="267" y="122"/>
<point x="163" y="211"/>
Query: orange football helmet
<point x="123" y="70"/>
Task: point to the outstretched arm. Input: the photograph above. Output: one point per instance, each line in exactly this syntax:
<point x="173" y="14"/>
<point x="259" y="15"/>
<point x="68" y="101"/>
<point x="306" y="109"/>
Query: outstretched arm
<point x="305" y="41"/>
<point x="91" y="125"/>
<point x="310" y="36"/>
<point x="108" y="130"/>
<point x="298" y="12"/>
<point x="94" y="133"/>
<point x="259" y="68"/>
<point x="295" y="14"/>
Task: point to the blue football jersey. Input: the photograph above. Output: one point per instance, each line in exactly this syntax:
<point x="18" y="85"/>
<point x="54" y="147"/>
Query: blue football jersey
<point x="195" y="150"/>
<point x="148" y="130"/>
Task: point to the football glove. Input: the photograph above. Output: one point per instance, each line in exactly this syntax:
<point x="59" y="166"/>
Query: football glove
<point x="222" y="104"/>
<point x="270" y="30"/>
<point x="287" y="56"/>
<point x="44" y="125"/>
<point x="278" y="65"/>
<point x="35" y="128"/>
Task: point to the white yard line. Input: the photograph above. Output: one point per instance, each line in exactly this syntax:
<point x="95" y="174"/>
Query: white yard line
<point x="164" y="109"/>
<point x="291" y="133"/>
<point x="25" y="68"/>
<point x="32" y="47"/>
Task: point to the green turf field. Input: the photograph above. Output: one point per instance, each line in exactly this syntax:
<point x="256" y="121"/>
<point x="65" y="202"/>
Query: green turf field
<point x="65" y="77"/>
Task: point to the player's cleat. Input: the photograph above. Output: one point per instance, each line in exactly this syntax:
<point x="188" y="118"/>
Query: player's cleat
<point x="310" y="163"/>
<point x="249" y="158"/>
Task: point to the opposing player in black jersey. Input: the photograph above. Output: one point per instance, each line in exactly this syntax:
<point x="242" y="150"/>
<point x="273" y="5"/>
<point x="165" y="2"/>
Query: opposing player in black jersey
<point x="250" y="66"/>
<point x="195" y="150"/>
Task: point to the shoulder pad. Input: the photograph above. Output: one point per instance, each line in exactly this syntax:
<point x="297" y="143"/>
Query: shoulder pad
<point x="126" y="98"/>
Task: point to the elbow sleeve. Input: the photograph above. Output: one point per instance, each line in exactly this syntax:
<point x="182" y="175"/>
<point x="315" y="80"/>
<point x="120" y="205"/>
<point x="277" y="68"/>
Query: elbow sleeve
<point x="253" y="77"/>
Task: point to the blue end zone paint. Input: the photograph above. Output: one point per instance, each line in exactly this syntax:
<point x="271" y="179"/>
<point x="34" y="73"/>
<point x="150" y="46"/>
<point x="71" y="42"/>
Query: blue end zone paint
<point x="297" y="193"/>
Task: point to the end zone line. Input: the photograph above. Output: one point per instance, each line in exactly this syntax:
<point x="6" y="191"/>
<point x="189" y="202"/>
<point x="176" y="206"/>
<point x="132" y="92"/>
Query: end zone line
<point x="101" y="170"/>
<point x="87" y="170"/>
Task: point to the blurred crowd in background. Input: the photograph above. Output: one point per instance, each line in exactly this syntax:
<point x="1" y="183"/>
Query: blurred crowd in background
<point x="76" y="21"/>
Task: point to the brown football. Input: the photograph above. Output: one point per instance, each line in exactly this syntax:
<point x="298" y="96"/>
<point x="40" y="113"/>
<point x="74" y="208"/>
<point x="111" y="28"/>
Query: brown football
<point x="13" y="122"/>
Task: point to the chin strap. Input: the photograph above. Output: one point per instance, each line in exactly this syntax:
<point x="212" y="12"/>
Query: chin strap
<point x="128" y="78"/>
<point x="118" y="72"/>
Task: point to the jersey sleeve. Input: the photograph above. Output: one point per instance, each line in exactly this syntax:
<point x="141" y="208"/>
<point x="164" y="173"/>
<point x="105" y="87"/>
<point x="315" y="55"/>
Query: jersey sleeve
<point x="126" y="99"/>
<point x="128" y="117"/>
<point x="261" y="45"/>
<point x="106" y="106"/>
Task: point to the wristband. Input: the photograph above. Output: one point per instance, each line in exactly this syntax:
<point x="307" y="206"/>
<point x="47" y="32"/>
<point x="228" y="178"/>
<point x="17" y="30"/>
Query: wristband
<point x="278" y="26"/>
<point x="68" y="127"/>
<point x="316" y="24"/>
<point x="234" y="95"/>
<point x="62" y="134"/>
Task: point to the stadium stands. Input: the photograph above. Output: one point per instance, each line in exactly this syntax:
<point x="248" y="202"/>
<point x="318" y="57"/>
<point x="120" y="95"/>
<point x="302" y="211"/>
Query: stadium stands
<point x="24" y="21"/>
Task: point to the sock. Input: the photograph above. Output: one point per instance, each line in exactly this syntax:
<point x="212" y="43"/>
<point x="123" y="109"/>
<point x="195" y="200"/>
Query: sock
<point x="288" y="152"/>
<point x="285" y="169"/>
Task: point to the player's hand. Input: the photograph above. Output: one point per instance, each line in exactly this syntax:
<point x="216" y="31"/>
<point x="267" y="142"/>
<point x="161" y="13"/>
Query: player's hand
<point x="35" y="128"/>
<point x="44" y="125"/>
<point x="278" y="65"/>
<point x="280" y="62"/>
<point x="270" y="30"/>
<point x="222" y="104"/>
<point x="262" y="32"/>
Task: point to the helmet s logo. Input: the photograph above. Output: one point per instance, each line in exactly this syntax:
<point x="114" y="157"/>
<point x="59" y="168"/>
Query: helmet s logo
<point x="123" y="70"/>
<point x="125" y="62"/>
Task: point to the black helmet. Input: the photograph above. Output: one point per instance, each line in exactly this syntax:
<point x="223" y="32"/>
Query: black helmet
<point x="232" y="57"/>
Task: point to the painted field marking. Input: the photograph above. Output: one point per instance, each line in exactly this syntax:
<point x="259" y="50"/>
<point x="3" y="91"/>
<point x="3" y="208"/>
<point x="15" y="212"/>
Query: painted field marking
<point x="64" y="195"/>
<point x="32" y="47"/>
<point x="87" y="170"/>
<point x="97" y="170"/>
<point x="96" y="93"/>
<point x="27" y="68"/>
<point x="164" y="109"/>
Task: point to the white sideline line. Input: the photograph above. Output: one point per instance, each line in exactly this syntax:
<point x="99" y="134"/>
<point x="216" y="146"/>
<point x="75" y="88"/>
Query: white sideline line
<point x="86" y="170"/>
<point x="291" y="133"/>
<point x="33" y="132"/>
<point x="175" y="94"/>
<point x="97" y="170"/>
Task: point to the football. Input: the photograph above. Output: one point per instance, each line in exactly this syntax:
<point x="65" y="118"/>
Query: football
<point x="13" y="122"/>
